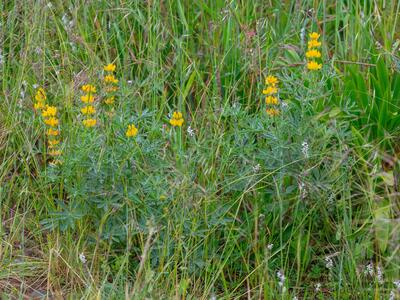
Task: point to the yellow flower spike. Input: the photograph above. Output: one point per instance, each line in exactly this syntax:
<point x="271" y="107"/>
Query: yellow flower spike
<point x="177" y="115"/>
<point x="132" y="131"/>
<point x="40" y="95"/>
<point x="53" y="122"/>
<point x="270" y="90"/>
<point x="313" y="44"/>
<point x="38" y="105"/>
<point x="87" y="98"/>
<point x="271" y="80"/>
<point x="88" y="88"/>
<point x="109" y="100"/>
<point x="314" y="66"/>
<point x="53" y="143"/>
<point x="50" y="111"/>
<point x="54" y="152"/>
<point x="313" y="53"/>
<point x="177" y="119"/>
<point x="110" y="89"/>
<point x="89" y="122"/>
<point x="272" y="112"/>
<point x="110" y="79"/>
<point x="314" y="35"/>
<point x="109" y="68"/>
<point x="56" y="162"/>
<point x="271" y="100"/>
<point x="52" y="132"/>
<point x="88" y="110"/>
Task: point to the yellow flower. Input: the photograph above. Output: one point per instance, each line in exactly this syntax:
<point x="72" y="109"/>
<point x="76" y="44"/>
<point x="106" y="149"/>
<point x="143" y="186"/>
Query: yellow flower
<point x="271" y="80"/>
<point x="314" y="66"/>
<point x="50" y="111"/>
<point x="87" y="98"/>
<point x="177" y="115"/>
<point x="313" y="44"/>
<point x="88" y="88"/>
<point x="52" y="132"/>
<point x="54" y="152"/>
<point x="53" y="143"/>
<point x="109" y="68"/>
<point x="40" y="95"/>
<point x="110" y="79"/>
<point x="56" y="162"/>
<point x="313" y="53"/>
<point x="53" y="122"/>
<point x="38" y="105"/>
<point x="314" y="35"/>
<point x="271" y="100"/>
<point x="89" y="122"/>
<point x="109" y="100"/>
<point x="131" y="131"/>
<point x="270" y="90"/>
<point x="272" y="112"/>
<point x="110" y="89"/>
<point x="88" y="110"/>
<point x="177" y="119"/>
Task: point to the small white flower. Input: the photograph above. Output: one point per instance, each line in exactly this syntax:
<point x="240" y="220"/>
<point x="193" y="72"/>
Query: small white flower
<point x="392" y="295"/>
<point x="331" y="198"/>
<point x="379" y="274"/>
<point x="35" y="86"/>
<point x="50" y="5"/>
<point x="281" y="278"/>
<point x="82" y="258"/>
<point x="303" y="190"/>
<point x="68" y="24"/>
<point x="302" y="35"/>
<point x="270" y="246"/>
<point x="304" y="149"/>
<point x="295" y="298"/>
<point x="397" y="284"/>
<point x="369" y="270"/>
<point x="328" y="263"/>
<point x="130" y="81"/>
<point x="190" y="131"/>
<point x="318" y="287"/>
<point x="256" y="168"/>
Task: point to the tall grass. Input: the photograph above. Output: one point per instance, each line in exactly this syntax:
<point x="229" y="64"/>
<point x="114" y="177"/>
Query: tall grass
<point x="239" y="205"/>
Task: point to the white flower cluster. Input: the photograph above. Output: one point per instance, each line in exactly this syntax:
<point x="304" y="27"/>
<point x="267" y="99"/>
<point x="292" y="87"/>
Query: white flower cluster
<point x="281" y="282"/>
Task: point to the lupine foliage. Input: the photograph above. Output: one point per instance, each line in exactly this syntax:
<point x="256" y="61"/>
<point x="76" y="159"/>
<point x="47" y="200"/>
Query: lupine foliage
<point x="199" y="149"/>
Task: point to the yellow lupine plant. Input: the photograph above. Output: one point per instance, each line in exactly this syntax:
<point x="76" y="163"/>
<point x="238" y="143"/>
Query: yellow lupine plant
<point x="271" y="99"/>
<point x="110" y="83"/>
<point x="132" y="131"/>
<point x="313" y="52"/>
<point x="177" y="119"/>
<point x="88" y="109"/>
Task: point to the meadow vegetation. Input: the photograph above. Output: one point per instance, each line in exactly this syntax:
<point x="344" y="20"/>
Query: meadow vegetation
<point x="181" y="149"/>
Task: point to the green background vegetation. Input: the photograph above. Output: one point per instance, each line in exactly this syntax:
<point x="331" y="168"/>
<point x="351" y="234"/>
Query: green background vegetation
<point x="220" y="213"/>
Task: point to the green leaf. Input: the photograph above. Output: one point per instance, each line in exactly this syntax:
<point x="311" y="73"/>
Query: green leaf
<point x="381" y="216"/>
